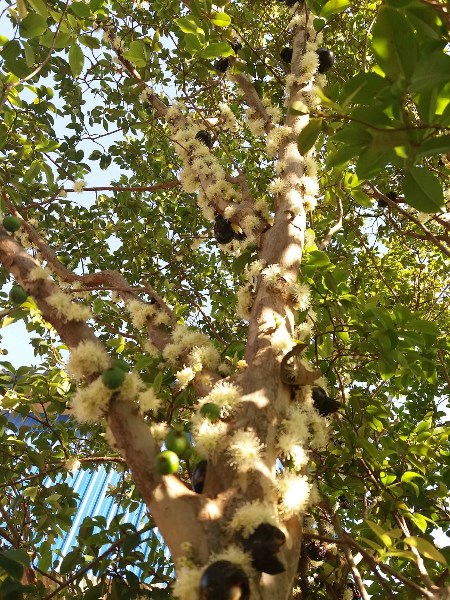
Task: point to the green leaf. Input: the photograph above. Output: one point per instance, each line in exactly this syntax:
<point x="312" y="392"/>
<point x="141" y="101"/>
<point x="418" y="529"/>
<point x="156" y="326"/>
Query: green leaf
<point x="362" y="198"/>
<point x="394" y="44"/>
<point x="29" y="54"/>
<point x="423" y="190"/>
<point x="217" y="49"/>
<point x="431" y="72"/>
<point x="424" y="327"/>
<point x="409" y="475"/>
<point x="33" y="26"/>
<point x="419" y="520"/>
<point x="13" y="568"/>
<point x="192" y="43"/>
<point x="317" y="258"/>
<point x="436" y="145"/>
<point x="308" y="136"/>
<point x="39" y="6"/>
<point x="298" y="108"/>
<point x="76" y="60"/>
<point x="221" y="19"/>
<point x="81" y="9"/>
<point x="425" y="548"/>
<point x="379" y="532"/>
<point x="189" y="25"/>
<point x="137" y="54"/>
<point x="333" y="7"/>
<point x="371" y="163"/>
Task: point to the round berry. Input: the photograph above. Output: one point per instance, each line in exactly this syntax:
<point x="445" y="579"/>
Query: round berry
<point x="17" y="294"/>
<point x="113" y="378"/>
<point x="11" y="223"/>
<point x="166" y="462"/>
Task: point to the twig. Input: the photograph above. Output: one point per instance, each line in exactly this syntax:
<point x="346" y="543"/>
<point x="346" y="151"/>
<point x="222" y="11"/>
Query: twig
<point x="335" y="227"/>
<point x="351" y="562"/>
<point x="131" y="188"/>
<point x="410" y="217"/>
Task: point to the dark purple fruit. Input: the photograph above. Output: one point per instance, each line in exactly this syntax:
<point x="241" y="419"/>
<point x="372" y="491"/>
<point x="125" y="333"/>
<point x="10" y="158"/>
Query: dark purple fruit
<point x="326" y="59"/>
<point x="222" y="65"/>
<point x="198" y="476"/>
<point x="286" y="55"/>
<point x="263" y="545"/>
<point x="224" y="580"/>
<point x="323" y="404"/>
<point x="344" y="501"/>
<point x="292" y="2"/>
<point x="392" y="196"/>
<point x="315" y="550"/>
<point x="205" y="137"/>
<point x="223" y="232"/>
<point x="236" y="45"/>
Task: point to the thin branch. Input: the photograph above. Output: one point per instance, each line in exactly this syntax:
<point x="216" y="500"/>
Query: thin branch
<point x="89" y="566"/>
<point x="430" y="236"/>
<point x="335" y="227"/>
<point x="128" y="188"/>
<point x="351" y="562"/>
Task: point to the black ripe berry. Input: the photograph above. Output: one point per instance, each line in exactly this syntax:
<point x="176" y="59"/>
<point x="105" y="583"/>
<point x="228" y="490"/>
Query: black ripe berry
<point x="263" y="545"/>
<point x="222" y="65"/>
<point x="323" y="404"/>
<point x="315" y="550"/>
<point x="291" y="2"/>
<point x="326" y="59"/>
<point x="236" y="45"/>
<point x="391" y="195"/>
<point x="286" y="54"/>
<point x="344" y="501"/>
<point x="198" y="476"/>
<point x="223" y="232"/>
<point x="205" y="137"/>
<point x="224" y="580"/>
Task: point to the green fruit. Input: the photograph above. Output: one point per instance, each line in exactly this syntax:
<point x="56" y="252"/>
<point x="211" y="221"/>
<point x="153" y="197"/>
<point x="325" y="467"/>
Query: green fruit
<point x="113" y="378"/>
<point x="65" y="259"/>
<point x="120" y="363"/>
<point x="166" y="462"/>
<point x="17" y="294"/>
<point x="211" y="411"/>
<point x="11" y="223"/>
<point x="177" y="441"/>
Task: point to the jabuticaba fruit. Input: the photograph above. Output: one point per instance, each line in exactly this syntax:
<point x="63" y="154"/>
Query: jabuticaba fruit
<point x="223" y="580"/>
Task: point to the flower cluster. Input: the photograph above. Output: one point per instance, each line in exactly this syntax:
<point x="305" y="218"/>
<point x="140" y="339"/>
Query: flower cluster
<point x="66" y="309"/>
<point x="141" y="313"/>
<point x="209" y="435"/>
<point x="90" y="403"/>
<point x="196" y="349"/>
<point x="88" y="358"/>
<point x="245" y="450"/>
<point x="247" y="518"/>
<point x="294" y="493"/>
<point x="149" y="401"/>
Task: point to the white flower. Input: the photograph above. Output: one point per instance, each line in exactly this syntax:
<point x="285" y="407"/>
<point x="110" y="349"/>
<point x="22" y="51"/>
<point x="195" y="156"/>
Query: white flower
<point x="88" y="358"/>
<point x="149" y="401"/>
<point x="90" y="403"/>
<point x="187" y="582"/>
<point x="37" y="273"/>
<point x="244" y="302"/>
<point x="272" y="273"/>
<point x="140" y="312"/>
<point x="184" y="377"/>
<point x="224" y="394"/>
<point x="207" y="435"/>
<point x="244" y="450"/>
<point x="249" y="516"/>
<point x="72" y="464"/>
<point x="294" y="493"/>
<point x="79" y="185"/>
<point x="66" y="309"/>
